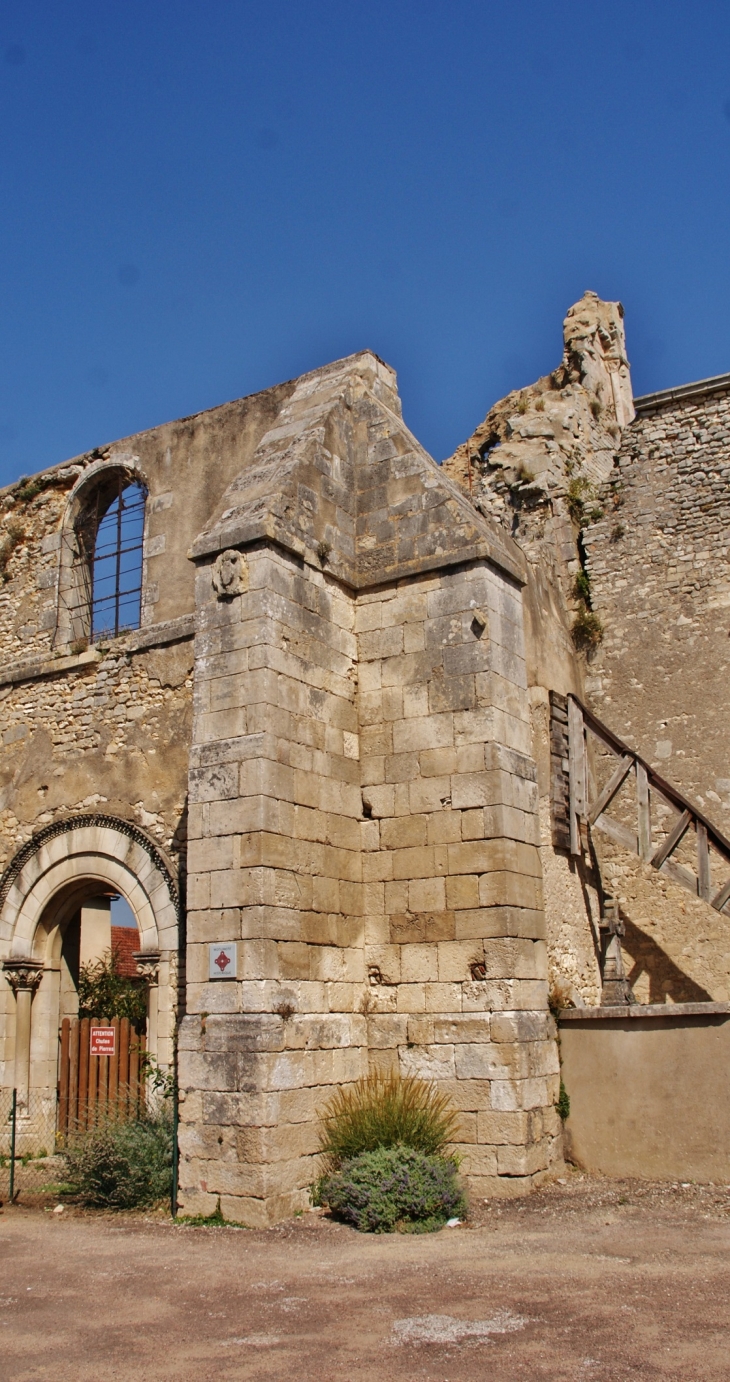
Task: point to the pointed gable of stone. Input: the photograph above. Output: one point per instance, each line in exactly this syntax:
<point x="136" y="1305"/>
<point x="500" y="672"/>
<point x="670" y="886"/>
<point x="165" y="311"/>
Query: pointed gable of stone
<point x="341" y="481"/>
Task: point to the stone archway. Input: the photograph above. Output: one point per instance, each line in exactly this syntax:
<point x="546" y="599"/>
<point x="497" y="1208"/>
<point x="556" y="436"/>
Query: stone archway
<point x="48" y="877"/>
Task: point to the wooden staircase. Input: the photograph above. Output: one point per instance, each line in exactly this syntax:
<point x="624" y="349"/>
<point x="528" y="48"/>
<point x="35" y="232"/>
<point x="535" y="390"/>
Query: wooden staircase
<point x="578" y="805"/>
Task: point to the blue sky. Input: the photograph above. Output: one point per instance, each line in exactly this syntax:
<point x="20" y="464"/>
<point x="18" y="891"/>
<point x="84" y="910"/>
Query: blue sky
<point x="201" y="200"/>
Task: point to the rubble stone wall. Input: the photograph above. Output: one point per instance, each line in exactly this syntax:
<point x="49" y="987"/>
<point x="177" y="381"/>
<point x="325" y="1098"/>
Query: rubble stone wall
<point x="659" y="566"/>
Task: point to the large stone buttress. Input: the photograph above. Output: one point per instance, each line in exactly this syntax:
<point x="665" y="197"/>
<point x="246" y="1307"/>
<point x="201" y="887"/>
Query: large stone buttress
<point x="363" y="825"/>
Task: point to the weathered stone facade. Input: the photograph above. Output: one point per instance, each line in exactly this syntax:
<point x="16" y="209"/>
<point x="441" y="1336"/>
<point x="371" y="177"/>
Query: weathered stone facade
<point x="623" y="518"/>
<point x="327" y="747"/>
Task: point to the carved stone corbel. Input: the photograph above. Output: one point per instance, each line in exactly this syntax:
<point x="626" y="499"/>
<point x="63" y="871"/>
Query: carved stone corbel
<point x="230" y="574"/>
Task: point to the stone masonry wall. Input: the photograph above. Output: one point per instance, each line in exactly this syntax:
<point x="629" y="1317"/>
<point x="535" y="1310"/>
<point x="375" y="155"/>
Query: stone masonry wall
<point x="275" y="865"/>
<point x="362" y="824"/>
<point x="659" y="565"/>
<point x="110" y="736"/>
<point x="454" y="923"/>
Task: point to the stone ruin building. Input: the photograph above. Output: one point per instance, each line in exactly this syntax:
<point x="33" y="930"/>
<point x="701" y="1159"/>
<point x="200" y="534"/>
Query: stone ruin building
<point x="332" y="720"/>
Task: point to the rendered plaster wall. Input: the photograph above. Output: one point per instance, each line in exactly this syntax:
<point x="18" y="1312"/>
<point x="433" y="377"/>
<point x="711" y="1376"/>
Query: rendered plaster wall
<point x="659" y="564"/>
<point x="648" y="1096"/>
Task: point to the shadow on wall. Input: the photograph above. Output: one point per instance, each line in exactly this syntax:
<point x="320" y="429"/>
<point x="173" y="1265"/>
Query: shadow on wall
<point x="666" y="980"/>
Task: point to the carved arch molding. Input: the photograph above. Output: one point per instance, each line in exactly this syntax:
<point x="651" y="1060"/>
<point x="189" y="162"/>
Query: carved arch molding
<point x="105" y="848"/>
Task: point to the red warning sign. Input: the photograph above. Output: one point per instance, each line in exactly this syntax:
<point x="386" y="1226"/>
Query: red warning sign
<point x="102" y="1041"/>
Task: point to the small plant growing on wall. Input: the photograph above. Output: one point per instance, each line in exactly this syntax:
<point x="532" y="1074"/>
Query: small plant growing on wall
<point x="12" y="537"/>
<point x="582" y="587"/>
<point x="578" y="492"/>
<point x="587" y="630"/>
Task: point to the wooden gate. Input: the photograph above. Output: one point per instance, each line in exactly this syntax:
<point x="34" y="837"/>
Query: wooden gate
<point x="93" y="1088"/>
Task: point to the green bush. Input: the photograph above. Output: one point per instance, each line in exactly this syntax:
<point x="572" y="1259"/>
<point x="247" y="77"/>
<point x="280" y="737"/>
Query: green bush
<point x="395" y="1188"/>
<point x="383" y="1111"/>
<point x="122" y="1165"/>
<point x="105" y="992"/>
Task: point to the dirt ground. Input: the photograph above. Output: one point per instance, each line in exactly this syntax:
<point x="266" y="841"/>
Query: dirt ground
<point x="590" y="1279"/>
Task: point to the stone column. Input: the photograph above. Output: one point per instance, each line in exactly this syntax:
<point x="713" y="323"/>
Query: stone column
<point x="148" y="967"/>
<point x="24" y="977"/>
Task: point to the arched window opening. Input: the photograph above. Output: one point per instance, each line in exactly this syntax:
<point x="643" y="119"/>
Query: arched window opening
<point x="116" y="568"/>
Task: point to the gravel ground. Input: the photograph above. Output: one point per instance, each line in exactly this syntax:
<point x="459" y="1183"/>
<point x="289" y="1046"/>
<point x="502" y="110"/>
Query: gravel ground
<point x="586" y="1279"/>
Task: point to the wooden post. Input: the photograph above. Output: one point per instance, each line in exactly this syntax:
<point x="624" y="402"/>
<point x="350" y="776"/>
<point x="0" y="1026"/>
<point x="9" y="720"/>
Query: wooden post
<point x="73" y="1076"/>
<point x="133" y="1073"/>
<point x="123" y="1097"/>
<point x="703" y="863"/>
<point x="644" y="811"/>
<point x="114" y="1073"/>
<point x="63" y="1081"/>
<point x="93" y="1083"/>
<point x="84" y="1073"/>
<point x="576" y="754"/>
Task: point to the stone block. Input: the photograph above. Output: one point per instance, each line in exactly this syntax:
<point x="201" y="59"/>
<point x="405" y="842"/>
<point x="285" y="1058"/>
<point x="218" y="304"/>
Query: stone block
<point x="462" y="1028"/>
<point x="481" y="1060"/>
<point x="429" y="794"/>
<point x="420" y="1030"/>
<point x="521" y="1161"/>
<point x="477" y="1160"/>
<point x="201" y="1070"/>
<point x="430" y="732"/>
<point x="411" y="998"/>
<point x="462" y="891"/>
<point x="454" y="959"/>
<point x="233" y="1032"/>
<point x="535" y="1093"/>
<point x="505" y="1095"/>
<point x="426" y="894"/>
<point x="444" y="826"/>
<point x="503" y="1129"/>
<point x="451" y="693"/>
<point x="419" y="963"/>
<point x="438" y="762"/>
<point x="427" y="1062"/>
<point x="403" y="832"/>
<point x="443" y="997"/>
<point x="513" y="958"/>
<point x="503" y="889"/>
<point x="523" y="1026"/>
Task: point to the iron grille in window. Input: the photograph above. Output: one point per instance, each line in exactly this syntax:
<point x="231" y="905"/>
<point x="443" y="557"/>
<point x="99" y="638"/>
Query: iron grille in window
<point x="116" y="576"/>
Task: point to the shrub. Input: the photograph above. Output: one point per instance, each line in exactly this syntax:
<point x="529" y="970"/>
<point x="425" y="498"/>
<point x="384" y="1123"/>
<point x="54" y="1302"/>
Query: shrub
<point x="104" y="992"/>
<point x="382" y="1111"/>
<point x="122" y="1165"/>
<point x="395" y="1188"/>
<point x="12" y="537"/>
<point x="587" y="630"/>
<point x="582" y="586"/>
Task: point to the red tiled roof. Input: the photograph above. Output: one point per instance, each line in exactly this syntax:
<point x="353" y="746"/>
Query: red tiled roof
<point x="125" y="940"/>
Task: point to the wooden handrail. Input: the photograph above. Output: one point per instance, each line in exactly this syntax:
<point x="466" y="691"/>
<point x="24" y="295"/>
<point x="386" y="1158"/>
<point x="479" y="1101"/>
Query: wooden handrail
<point x="591" y="814"/>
